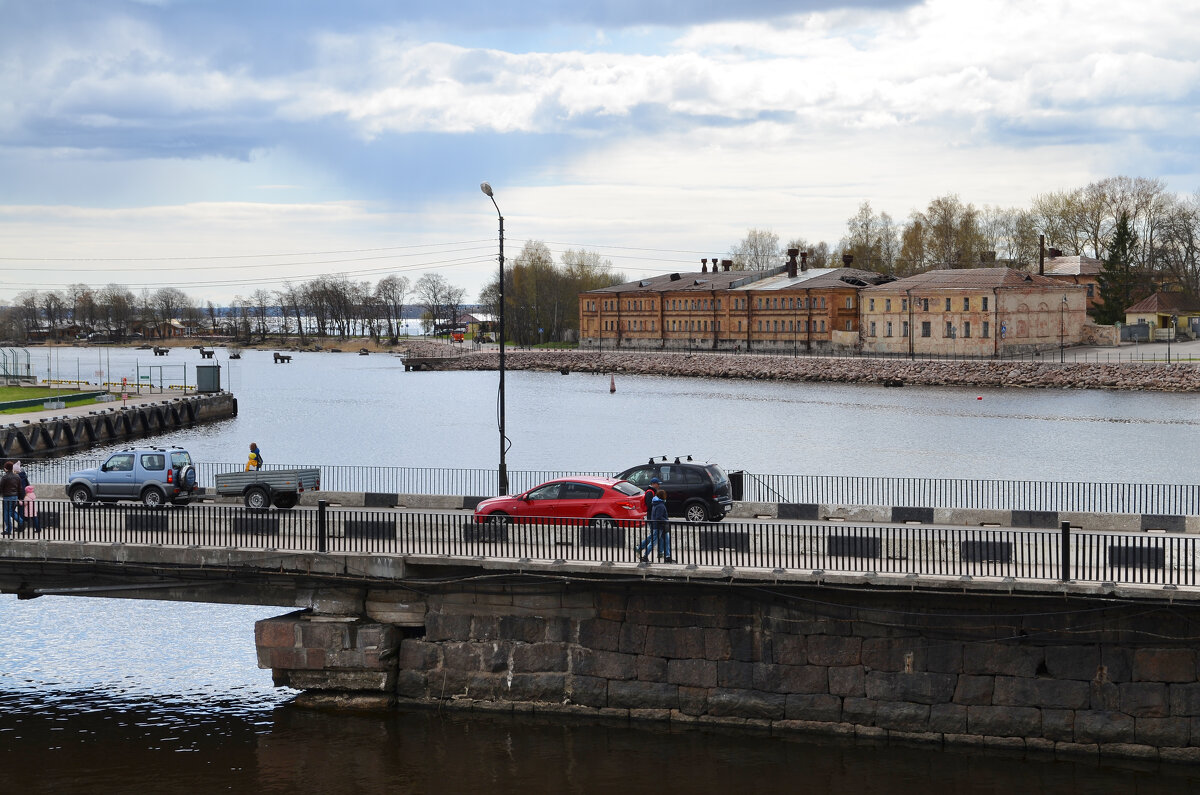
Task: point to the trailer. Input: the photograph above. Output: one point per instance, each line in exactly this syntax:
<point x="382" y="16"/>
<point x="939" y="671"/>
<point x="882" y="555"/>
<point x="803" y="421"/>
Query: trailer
<point x="260" y="488"/>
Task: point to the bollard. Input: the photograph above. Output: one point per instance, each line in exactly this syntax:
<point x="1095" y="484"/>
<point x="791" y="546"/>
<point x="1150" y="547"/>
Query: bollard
<point x="1066" y="551"/>
<point x="321" y="527"/>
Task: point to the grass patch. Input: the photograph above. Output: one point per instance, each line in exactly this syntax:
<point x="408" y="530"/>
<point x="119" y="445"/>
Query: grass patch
<point x="41" y="393"/>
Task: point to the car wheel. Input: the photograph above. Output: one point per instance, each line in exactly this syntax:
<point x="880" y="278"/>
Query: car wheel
<point x="80" y="496"/>
<point x="695" y="512"/>
<point x="603" y="522"/>
<point x="499" y="519"/>
<point x="256" y="498"/>
<point x="153" y="498"/>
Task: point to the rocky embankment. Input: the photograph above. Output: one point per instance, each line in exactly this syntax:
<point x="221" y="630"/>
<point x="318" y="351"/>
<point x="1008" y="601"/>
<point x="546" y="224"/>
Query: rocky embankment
<point x="891" y="372"/>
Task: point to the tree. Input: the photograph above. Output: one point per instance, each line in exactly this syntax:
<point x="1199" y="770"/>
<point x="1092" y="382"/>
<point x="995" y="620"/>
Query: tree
<point x="757" y="251"/>
<point x="1118" y="277"/>
<point x="871" y="239"/>
<point x="391" y="292"/>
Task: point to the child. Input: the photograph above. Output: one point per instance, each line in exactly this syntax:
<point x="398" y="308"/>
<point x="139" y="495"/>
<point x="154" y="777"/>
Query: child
<point x="31" y="514"/>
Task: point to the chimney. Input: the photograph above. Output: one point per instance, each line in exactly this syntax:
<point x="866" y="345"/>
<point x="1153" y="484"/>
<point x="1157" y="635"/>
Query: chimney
<point x="726" y="264"/>
<point x="704" y="266"/>
<point x="1055" y="253"/>
<point x="803" y="260"/>
<point x="791" y="263"/>
<point x="1041" y="255"/>
<point x="847" y="260"/>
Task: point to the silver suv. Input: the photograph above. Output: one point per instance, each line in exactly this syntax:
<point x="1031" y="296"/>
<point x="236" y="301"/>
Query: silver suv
<point x="154" y="475"/>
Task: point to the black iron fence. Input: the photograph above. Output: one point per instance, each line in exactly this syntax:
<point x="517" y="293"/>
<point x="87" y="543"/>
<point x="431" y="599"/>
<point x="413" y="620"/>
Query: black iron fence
<point x="1032" y="555"/>
<point x="953" y="493"/>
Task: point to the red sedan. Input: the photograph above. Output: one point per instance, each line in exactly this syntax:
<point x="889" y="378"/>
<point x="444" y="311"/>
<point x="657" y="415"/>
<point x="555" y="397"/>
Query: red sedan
<point x="599" y="502"/>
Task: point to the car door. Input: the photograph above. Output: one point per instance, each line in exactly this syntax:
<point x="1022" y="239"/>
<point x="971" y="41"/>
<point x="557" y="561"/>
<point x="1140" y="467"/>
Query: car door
<point x="673" y="487"/>
<point x="115" y="477"/>
<point x="153" y="470"/>
<point x="578" y="500"/>
<point x="541" y="501"/>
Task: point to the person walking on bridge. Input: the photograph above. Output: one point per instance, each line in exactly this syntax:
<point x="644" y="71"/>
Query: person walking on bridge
<point x="10" y="490"/>
<point x="256" y="460"/>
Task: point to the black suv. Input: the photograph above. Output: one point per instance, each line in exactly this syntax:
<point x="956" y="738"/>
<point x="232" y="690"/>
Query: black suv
<point x="697" y="491"/>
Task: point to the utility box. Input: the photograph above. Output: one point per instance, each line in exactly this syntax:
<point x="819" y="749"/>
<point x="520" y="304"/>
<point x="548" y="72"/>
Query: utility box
<point x="208" y="378"/>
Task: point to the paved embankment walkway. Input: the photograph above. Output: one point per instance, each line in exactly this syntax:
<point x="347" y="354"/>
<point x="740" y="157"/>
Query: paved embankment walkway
<point x="1157" y="377"/>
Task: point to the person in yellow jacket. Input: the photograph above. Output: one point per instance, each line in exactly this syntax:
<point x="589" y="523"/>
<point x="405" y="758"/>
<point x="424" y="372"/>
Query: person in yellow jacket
<point x="256" y="459"/>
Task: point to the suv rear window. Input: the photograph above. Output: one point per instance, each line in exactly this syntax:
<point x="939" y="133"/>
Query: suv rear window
<point x="718" y="474"/>
<point x="154" y="462"/>
<point x="180" y="459"/>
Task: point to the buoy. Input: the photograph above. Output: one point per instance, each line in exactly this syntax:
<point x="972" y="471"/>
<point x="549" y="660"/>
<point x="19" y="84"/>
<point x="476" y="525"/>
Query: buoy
<point x="612" y="384"/>
<point x="979" y="398"/>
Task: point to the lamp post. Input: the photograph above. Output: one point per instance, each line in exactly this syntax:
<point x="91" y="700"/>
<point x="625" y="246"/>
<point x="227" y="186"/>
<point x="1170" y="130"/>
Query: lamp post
<point x="1062" y="330"/>
<point x="503" y="471"/>
<point x="1170" y="334"/>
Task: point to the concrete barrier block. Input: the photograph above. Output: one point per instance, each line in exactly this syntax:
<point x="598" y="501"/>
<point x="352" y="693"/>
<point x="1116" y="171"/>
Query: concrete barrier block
<point x="1113" y="522"/>
<point x="970" y="518"/>
<point x="858" y="513"/>
<point x="749" y="510"/>
<point x="440" y="502"/>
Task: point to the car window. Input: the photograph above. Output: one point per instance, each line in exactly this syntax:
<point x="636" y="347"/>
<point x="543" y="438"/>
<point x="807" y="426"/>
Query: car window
<point x="628" y="489"/>
<point x="581" y="491"/>
<point x="547" y="492"/>
<point x="691" y="476"/>
<point x="639" y="477"/>
<point x="180" y="459"/>
<point x="155" y="462"/>
<point x="119" y="462"/>
<point x="669" y="474"/>
<point x="718" y="475"/>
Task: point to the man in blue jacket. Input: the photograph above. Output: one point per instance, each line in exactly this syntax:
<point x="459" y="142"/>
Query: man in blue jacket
<point x="660" y="529"/>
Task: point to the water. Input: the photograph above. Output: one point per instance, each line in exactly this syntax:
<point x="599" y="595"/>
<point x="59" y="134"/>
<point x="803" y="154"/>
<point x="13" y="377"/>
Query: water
<point x="102" y="695"/>
<point x="326" y="408"/>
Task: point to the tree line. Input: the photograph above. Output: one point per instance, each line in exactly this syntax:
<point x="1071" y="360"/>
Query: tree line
<point x="1148" y="237"/>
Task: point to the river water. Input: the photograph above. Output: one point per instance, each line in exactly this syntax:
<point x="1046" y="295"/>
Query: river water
<point x="101" y="695"/>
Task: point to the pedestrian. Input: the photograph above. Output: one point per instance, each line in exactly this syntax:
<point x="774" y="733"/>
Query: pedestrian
<point x="649" y="495"/>
<point x="10" y="485"/>
<point x="659" y="535"/>
<point x="30" y="507"/>
<point x="20" y="472"/>
<point x="256" y="460"/>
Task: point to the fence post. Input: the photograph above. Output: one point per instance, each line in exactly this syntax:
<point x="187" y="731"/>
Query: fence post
<point x="1066" y="551"/>
<point x="321" y="527"/>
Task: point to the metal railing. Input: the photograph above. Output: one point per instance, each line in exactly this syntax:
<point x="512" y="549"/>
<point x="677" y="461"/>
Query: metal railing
<point x="1030" y="555"/>
<point x="1169" y="499"/>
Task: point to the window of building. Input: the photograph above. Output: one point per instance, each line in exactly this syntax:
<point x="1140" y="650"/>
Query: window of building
<point x="985" y="327"/>
<point x="739" y="325"/>
<point x="887" y="306"/>
<point x="967" y="304"/>
<point x="760" y="325"/>
<point x="904" y="328"/>
<point x="947" y="304"/>
<point x="966" y="328"/>
<point x="903" y="304"/>
<point x="949" y="329"/>
<point x="889" y="329"/>
<point x="849" y="302"/>
<point x="872" y="328"/>
<point x="984" y="299"/>
<point x="848" y="323"/>
<point x="760" y="303"/>
<point x="925" y="304"/>
<point x="871" y="305"/>
<point x="1091" y="291"/>
<point x="926" y="328"/>
<point x="822" y="322"/>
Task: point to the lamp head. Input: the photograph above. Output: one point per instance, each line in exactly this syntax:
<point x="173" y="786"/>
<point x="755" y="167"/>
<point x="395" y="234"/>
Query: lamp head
<point x="486" y="188"/>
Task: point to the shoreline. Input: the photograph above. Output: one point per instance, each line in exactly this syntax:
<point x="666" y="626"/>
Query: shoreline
<point x="1156" y="377"/>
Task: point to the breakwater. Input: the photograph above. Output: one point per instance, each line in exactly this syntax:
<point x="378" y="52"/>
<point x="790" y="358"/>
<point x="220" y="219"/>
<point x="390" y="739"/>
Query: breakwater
<point x="888" y="372"/>
<point x="47" y="437"/>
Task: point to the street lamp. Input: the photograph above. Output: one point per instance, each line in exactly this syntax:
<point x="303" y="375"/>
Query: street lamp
<point x="1062" y="329"/>
<point x="503" y="472"/>
<point x="1170" y="334"/>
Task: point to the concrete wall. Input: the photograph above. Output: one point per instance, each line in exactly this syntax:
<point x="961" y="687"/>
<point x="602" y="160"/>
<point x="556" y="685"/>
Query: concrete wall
<point x="1048" y="674"/>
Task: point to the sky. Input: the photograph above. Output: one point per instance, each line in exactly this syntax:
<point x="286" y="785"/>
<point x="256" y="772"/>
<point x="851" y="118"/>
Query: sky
<point x="223" y="147"/>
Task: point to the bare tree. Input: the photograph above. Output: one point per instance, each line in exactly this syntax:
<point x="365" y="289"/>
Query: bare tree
<point x="391" y="293"/>
<point x="757" y="251"/>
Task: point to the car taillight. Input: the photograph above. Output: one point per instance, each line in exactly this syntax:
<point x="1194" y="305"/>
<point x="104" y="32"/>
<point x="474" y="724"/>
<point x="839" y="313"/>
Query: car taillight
<point x="170" y="476"/>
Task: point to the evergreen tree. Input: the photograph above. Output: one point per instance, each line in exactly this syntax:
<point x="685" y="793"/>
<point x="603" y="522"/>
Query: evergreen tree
<point x="1117" y="277"/>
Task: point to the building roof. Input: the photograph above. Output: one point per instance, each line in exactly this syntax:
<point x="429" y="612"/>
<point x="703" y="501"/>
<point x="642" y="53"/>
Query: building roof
<point x="1075" y="265"/>
<point x="969" y="279"/>
<point x="1164" y="302"/>
<point x="815" y="278"/>
<point x="694" y="281"/>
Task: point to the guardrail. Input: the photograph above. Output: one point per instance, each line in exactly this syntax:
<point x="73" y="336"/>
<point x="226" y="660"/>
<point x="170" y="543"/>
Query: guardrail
<point x="957" y="493"/>
<point x="1031" y="555"/>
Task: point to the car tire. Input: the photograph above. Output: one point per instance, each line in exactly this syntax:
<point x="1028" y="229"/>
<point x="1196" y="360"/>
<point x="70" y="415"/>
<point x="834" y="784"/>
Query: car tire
<point x="603" y="522"/>
<point x="695" y="511"/>
<point x="257" y="498"/>
<point x="187" y="477"/>
<point x="80" y="496"/>
<point x="153" y="497"/>
<point x="498" y="519"/>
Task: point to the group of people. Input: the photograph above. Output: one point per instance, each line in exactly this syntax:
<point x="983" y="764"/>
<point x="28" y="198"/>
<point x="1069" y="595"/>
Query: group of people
<point x="656" y="521"/>
<point x="20" y="503"/>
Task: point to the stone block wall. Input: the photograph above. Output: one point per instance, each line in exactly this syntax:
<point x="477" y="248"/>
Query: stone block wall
<point x="1066" y="676"/>
<point x="328" y="653"/>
